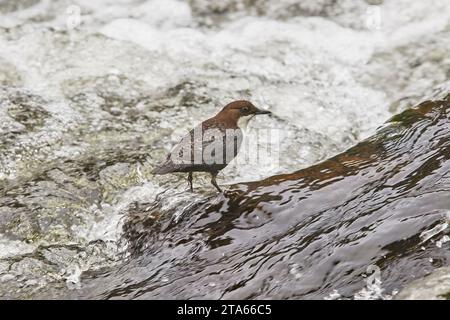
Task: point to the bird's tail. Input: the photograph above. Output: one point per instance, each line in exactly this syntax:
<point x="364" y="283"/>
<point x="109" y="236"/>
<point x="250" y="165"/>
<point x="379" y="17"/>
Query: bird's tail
<point x="164" y="168"/>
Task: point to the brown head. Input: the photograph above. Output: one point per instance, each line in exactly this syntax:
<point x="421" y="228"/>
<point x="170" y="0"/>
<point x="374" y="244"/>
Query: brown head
<point x="239" y="110"/>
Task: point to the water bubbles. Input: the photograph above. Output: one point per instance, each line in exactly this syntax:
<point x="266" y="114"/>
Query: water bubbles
<point x="73" y="277"/>
<point x="373" y="289"/>
<point x="334" y="295"/>
<point x="443" y="240"/>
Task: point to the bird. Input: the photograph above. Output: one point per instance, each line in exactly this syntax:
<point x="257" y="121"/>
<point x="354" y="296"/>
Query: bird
<point x="211" y="145"/>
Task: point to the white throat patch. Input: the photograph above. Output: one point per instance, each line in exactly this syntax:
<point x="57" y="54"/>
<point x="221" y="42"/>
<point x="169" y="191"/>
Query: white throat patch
<point x="243" y="121"/>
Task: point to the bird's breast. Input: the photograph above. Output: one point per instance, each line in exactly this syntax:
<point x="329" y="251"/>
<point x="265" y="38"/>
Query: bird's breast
<point x="243" y="121"/>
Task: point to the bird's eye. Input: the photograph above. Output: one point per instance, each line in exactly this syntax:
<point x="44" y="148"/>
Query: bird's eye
<point x="245" y="109"/>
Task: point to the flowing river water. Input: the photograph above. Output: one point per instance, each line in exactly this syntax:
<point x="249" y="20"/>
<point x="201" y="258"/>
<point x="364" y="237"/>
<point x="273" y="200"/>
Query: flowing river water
<point x="353" y="205"/>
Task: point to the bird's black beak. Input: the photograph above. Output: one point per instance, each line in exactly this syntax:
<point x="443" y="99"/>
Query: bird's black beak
<point x="262" y="112"/>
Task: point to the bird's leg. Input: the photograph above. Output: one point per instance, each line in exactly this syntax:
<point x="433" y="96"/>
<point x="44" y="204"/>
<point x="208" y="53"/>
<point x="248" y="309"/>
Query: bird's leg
<point x="190" y="182"/>
<point x="213" y="180"/>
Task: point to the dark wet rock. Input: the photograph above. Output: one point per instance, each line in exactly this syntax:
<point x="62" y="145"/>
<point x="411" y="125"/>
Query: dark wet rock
<point x="28" y="114"/>
<point x="24" y="108"/>
<point x="369" y="206"/>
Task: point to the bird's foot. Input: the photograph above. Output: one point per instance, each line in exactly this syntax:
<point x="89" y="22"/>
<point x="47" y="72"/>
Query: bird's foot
<point x="190" y="178"/>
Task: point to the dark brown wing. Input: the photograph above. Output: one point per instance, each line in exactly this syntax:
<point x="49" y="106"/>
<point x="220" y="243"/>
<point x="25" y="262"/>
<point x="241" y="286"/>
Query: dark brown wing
<point x="204" y="148"/>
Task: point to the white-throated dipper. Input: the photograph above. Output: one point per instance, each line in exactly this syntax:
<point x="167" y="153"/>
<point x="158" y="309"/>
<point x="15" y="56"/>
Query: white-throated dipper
<point x="211" y="145"/>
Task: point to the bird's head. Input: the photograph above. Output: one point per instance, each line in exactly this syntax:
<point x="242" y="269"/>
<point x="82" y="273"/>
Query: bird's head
<point x="241" y="111"/>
